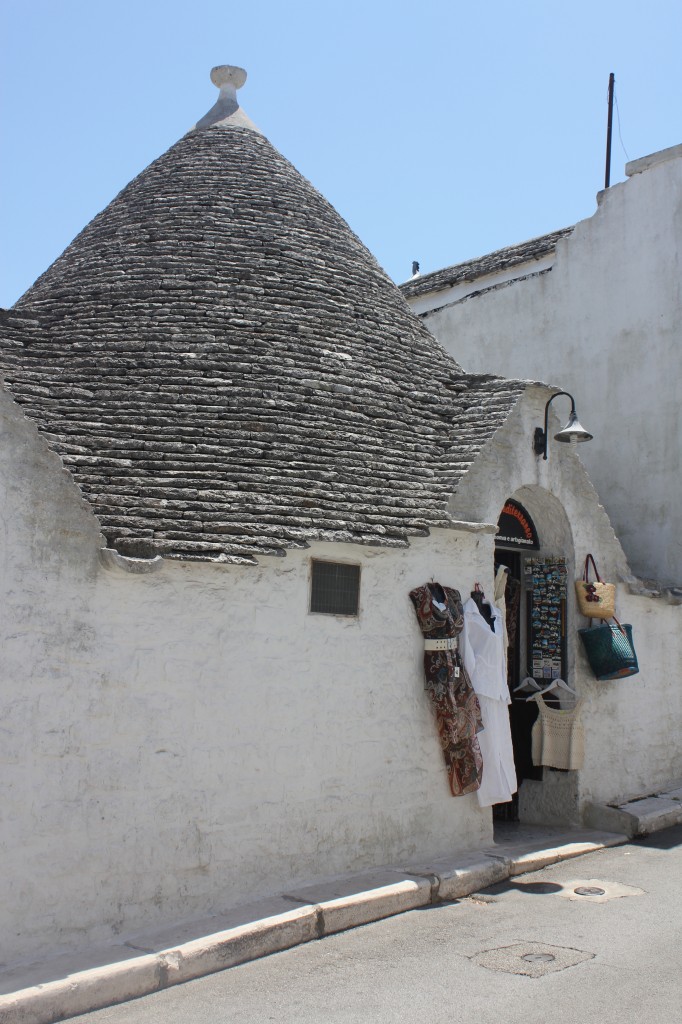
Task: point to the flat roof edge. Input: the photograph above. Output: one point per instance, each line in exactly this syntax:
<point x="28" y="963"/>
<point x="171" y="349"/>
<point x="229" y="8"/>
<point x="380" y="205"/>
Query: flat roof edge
<point x="643" y="163"/>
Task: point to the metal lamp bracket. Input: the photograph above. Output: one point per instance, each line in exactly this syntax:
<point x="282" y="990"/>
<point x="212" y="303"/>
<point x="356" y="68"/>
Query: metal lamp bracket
<point x="540" y="436"/>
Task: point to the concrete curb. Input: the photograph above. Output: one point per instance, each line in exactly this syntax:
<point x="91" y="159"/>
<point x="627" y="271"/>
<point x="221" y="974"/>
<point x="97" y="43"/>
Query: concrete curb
<point x="320" y="910"/>
<point x="360" y="899"/>
<point x="470" y="873"/>
<point x="525" y="857"/>
<point x="641" y="816"/>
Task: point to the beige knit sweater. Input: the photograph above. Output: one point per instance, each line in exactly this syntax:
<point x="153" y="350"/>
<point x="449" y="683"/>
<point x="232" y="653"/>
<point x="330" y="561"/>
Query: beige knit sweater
<point x="558" y="737"/>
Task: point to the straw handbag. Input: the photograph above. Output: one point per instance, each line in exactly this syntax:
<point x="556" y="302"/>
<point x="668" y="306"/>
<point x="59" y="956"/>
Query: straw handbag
<point x="596" y="600"/>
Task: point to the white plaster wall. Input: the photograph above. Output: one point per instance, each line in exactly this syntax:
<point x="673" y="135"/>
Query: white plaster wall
<point x="632" y="726"/>
<point x="605" y="324"/>
<point x="176" y="743"/>
<point x="179" y="742"/>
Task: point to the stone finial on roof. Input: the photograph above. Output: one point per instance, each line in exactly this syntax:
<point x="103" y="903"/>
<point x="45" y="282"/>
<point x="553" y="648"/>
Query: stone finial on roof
<point x="226" y="111"/>
<point x="228" y="78"/>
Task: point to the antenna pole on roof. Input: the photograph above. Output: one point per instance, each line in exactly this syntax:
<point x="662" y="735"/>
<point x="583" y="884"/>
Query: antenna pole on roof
<point x="609" y="126"/>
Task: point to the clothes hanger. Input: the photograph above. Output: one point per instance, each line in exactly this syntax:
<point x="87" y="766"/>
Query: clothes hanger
<point x="563" y="685"/>
<point x="556" y="684"/>
<point x="527" y="685"/>
<point x="483" y="604"/>
<point x="541" y="693"/>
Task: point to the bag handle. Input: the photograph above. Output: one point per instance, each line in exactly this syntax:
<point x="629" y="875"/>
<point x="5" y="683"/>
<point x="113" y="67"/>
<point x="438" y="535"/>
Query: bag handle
<point x="586" y="570"/>
<point x="617" y="623"/>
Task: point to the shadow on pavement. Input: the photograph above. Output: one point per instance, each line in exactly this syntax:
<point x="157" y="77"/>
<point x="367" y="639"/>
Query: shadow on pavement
<point x="531" y="888"/>
<point x="667" y="839"/>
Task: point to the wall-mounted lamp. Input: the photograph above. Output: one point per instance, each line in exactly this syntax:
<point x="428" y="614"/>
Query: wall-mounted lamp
<point x="571" y="432"/>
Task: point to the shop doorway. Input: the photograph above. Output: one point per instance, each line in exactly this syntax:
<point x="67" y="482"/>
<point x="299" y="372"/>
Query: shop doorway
<point x="521" y="715"/>
<point x="535" y="599"/>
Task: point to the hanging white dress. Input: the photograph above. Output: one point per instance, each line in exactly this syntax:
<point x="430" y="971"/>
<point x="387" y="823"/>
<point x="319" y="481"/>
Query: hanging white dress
<point x="501" y="601"/>
<point x="484" y="654"/>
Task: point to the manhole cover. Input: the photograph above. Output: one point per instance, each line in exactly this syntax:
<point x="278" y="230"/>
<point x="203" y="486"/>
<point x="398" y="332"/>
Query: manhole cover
<point x="597" y="890"/>
<point x="532" y="959"/>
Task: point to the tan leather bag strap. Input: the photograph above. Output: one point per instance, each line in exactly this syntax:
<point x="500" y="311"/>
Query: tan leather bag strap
<point x="619" y="626"/>
<point x="617" y="623"/>
<point x="586" y="570"/>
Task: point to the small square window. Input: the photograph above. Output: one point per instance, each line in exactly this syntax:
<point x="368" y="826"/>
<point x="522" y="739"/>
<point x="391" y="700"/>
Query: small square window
<point x="335" y="588"/>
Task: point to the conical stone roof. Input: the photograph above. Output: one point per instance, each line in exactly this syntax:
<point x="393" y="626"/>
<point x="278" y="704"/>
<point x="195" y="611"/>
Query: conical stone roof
<point x="226" y="371"/>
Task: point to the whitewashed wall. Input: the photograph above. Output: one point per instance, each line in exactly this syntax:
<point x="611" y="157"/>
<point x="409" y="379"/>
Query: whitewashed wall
<point x="605" y="324"/>
<point x="177" y="742"/>
<point x="632" y="725"/>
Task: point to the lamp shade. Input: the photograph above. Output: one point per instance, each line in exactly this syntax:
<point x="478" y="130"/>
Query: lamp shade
<point x="573" y="431"/>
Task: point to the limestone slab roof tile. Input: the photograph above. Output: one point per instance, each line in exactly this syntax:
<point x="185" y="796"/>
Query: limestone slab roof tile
<point x="501" y="259"/>
<point x="227" y="372"/>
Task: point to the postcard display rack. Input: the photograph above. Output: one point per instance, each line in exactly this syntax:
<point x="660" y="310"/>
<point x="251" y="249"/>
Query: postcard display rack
<point x="545" y="585"/>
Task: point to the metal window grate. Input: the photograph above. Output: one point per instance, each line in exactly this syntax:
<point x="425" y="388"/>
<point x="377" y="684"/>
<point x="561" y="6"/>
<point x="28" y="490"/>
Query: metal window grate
<point x="335" y="588"/>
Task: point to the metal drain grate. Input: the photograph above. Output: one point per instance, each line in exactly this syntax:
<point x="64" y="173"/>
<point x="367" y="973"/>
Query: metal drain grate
<point x="532" y="959"/>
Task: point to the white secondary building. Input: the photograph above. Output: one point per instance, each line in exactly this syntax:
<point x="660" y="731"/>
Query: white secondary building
<point x="597" y="310"/>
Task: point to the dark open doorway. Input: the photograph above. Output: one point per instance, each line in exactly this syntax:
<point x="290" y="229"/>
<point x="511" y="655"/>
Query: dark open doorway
<point x="521" y="715"/>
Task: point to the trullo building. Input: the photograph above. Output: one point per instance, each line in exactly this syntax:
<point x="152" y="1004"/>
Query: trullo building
<point x="229" y="453"/>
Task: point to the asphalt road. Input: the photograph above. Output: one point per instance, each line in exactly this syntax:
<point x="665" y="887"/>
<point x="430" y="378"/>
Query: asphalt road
<point x="614" y="959"/>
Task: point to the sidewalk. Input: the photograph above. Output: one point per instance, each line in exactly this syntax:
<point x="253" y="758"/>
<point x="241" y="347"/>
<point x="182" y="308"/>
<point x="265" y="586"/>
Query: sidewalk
<point x="53" y="990"/>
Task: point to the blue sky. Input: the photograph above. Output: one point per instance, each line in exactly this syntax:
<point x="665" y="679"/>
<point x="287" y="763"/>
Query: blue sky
<point x="440" y="131"/>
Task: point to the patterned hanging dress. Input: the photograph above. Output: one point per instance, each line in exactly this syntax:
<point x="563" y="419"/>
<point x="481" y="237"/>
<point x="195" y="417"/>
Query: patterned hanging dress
<point x="456" y="707"/>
